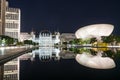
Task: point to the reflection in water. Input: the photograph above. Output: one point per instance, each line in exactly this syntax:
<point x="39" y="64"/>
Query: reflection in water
<point x="44" y="53"/>
<point x="47" y="53"/>
<point x="2" y="51"/>
<point x="96" y="61"/>
<point x="99" y="58"/>
<point x="92" y="58"/>
<point x="11" y="70"/>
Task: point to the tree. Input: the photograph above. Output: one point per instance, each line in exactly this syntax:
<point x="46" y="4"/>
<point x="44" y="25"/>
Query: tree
<point x="7" y="40"/>
<point x="28" y="42"/>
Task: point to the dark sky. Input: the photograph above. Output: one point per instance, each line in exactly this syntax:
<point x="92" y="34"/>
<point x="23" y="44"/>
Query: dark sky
<point x="66" y="15"/>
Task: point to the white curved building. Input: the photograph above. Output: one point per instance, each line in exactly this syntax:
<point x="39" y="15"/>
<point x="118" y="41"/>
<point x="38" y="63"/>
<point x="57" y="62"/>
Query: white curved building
<point x="95" y="30"/>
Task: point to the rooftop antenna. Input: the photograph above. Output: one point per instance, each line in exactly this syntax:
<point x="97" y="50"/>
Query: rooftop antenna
<point x="57" y="29"/>
<point x="33" y="31"/>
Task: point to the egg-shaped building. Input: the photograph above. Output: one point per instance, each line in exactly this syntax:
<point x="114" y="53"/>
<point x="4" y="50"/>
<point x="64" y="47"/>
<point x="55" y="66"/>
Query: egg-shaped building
<point x="95" y="30"/>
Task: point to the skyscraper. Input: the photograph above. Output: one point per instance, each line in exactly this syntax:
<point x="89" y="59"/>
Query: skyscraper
<point x="9" y="20"/>
<point x="2" y="16"/>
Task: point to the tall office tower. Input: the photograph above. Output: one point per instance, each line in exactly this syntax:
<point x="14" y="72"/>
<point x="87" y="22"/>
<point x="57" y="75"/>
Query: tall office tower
<point x="2" y="16"/>
<point x="10" y="20"/>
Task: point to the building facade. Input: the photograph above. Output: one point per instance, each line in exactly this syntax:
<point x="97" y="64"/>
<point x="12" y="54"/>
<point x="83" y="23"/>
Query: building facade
<point x="66" y="37"/>
<point x="25" y="36"/>
<point x="12" y="22"/>
<point x="9" y="20"/>
<point x="46" y="38"/>
<point x="2" y="16"/>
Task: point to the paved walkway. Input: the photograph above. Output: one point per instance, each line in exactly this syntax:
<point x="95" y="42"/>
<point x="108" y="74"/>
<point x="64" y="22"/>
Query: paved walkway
<point x="10" y="54"/>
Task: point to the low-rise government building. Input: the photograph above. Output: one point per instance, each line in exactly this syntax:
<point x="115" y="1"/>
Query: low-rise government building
<point x="45" y="38"/>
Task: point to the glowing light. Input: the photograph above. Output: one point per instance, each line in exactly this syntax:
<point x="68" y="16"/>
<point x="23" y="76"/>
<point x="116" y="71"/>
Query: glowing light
<point x="97" y="61"/>
<point x="96" y="30"/>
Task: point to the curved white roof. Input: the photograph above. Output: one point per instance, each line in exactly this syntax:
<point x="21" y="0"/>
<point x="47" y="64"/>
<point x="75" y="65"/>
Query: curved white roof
<point x="95" y="30"/>
<point x="97" y="62"/>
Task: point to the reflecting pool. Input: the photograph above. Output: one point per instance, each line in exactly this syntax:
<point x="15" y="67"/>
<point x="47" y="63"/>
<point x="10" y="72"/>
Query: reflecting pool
<point x="62" y="63"/>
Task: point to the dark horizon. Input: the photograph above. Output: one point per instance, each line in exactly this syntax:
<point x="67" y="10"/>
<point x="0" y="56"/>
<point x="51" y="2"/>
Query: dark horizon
<point x="66" y="16"/>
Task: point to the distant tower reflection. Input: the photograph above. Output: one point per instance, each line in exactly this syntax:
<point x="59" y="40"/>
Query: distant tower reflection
<point x="47" y="53"/>
<point x="43" y="53"/>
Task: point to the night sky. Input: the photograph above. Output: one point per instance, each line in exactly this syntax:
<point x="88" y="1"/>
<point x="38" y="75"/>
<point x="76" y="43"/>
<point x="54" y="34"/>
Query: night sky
<point x="66" y="15"/>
